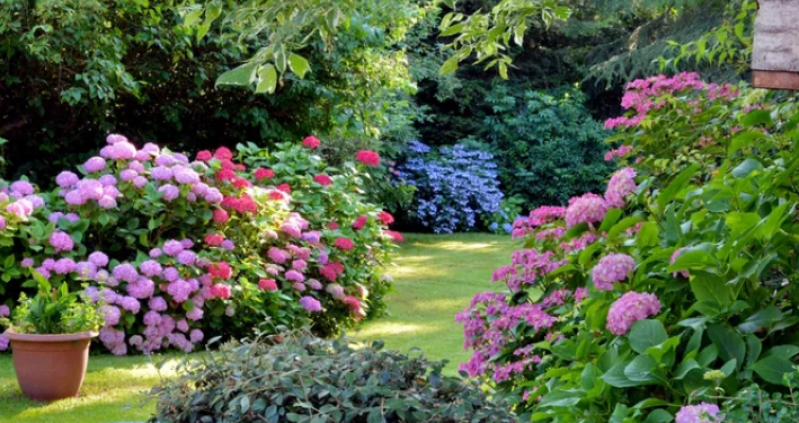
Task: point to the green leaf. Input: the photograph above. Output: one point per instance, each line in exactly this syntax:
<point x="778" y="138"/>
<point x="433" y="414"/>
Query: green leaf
<point x="647" y="235"/>
<point x="753" y="349"/>
<point x="299" y="65"/>
<point x="658" y="351"/>
<point x="450" y="66"/>
<point x="616" y="378"/>
<point x="245" y="404"/>
<point x="761" y="319"/>
<point x="740" y="223"/>
<point x="625" y="224"/>
<point x="685" y="367"/>
<point x="611" y="217"/>
<point x="192" y="17"/>
<point x="677" y="185"/>
<point x="710" y="288"/>
<point x="784" y="351"/>
<point x="772" y="368"/>
<point x="647" y="333"/>
<point x="730" y="344"/>
<point x="757" y="117"/>
<point x="659" y="416"/>
<point x="267" y="79"/>
<point x="241" y="76"/>
<point x="642" y="369"/>
<point x="746" y="168"/>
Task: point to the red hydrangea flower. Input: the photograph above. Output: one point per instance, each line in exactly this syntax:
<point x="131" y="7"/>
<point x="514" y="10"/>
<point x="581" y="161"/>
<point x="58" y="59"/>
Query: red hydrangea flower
<point x="241" y="183"/>
<point x="267" y="285"/>
<point x="353" y="304"/>
<point x="240" y="167"/>
<point x="323" y="180"/>
<point x="221" y="216"/>
<point x="345" y="244"/>
<point x="220" y="270"/>
<point x="368" y="157"/>
<point x="227" y="164"/>
<point x="277" y="196"/>
<point x="220" y="290"/>
<point x="223" y="153"/>
<point x="311" y="142"/>
<point x="332" y="270"/>
<point x="359" y="223"/>
<point x="225" y="175"/>
<point x="214" y="240"/>
<point x="332" y="225"/>
<point x="285" y="188"/>
<point x="204" y="156"/>
<point x="262" y="173"/>
<point x="386" y="217"/>
<point x="395" y="236"/>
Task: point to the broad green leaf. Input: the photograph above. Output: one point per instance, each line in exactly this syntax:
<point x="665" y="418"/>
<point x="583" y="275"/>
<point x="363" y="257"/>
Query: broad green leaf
<point x="450" y="66"/>
<point x="643" y="369"/>
<point x="677" y="185"/>
<point x="241" y="76"/>
<point x="659" y="416"/>
<point x="299" y="65"/>
<point x="267" y="79"/>
<point x="710" y="288"/>
<point x="685" y="367"/>
<point x="647" y="333"/>
<point x="772" y="368"/>
<point x="746" y="168"/>
<point x="763" y="318"/>
<point x="730" y="344"/>
<point x="647" y="235"/>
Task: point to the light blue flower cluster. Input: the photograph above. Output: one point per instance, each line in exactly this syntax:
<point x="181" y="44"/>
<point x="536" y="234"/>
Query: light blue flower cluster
<point x="455" y="186"/>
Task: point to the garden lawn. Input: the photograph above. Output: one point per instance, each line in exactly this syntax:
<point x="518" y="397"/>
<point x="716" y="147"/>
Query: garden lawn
<point x="435" y="278"/>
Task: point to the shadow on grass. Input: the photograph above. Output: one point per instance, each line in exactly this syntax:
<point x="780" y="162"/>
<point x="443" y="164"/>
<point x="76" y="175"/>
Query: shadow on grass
<point x="112" y="390"/>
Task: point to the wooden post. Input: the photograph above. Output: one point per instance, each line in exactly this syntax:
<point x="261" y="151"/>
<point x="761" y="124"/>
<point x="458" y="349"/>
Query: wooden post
<point x="775" y="56"/>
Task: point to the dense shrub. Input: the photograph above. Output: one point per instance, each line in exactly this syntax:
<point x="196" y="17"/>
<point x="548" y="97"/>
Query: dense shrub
<point x="456" y="187"/>
<point x="176" y="250"/>
<point x="547" y="147"/>
<point x="306" y="379"/>
<point x="647" y="303"/>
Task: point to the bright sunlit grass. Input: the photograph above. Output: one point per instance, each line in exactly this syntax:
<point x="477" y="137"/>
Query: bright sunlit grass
<point x="436" y="277"/>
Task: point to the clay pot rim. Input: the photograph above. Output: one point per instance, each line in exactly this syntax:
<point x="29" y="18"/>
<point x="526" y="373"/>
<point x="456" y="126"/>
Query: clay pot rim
<point x="67" y="337"/>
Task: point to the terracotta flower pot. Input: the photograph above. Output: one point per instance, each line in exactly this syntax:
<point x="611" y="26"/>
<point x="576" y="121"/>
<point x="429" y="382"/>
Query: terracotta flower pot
<point x="50" y="367"/>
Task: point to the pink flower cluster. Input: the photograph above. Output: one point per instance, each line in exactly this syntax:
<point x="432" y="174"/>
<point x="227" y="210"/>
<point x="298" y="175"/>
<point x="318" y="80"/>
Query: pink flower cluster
<point x="630" y="308"/>
<point x="612" y="268"/>
<point x="618" y="152"/>
<point x="621" y="184"/>
<point x="700" y="413"/>
<point x="589" y="208"/>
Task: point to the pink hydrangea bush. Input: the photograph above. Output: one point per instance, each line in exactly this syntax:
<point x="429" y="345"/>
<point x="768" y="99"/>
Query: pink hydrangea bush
<point x="643" y="302"/>
<point x="176" y="251"/>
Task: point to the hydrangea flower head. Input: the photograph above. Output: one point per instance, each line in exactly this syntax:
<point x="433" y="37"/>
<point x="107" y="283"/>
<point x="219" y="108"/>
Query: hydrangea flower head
<point x="311" y="142"/>
<point x="589" y="208"/>
<point x="311" y="304"/>
<point x="621" y="185"/>
<point x="368" y="157"/>
<point x="323" y="180"/>
<point x="630" y="308"/>
<point x="612" y="268"/>
<point x="701" y="413"/>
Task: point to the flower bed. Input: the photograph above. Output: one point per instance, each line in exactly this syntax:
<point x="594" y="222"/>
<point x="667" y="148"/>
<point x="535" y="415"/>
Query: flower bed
<point x="670" y="291"/>
<point x="179" y="250"/>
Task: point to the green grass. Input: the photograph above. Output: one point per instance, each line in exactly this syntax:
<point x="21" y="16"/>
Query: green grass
<point x="436" y="277"/>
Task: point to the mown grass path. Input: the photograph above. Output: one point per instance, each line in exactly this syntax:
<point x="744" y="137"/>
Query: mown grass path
<point x="435" y="277"/>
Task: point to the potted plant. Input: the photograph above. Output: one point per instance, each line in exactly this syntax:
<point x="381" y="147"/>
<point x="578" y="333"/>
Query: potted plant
<point x="50" y="335"/>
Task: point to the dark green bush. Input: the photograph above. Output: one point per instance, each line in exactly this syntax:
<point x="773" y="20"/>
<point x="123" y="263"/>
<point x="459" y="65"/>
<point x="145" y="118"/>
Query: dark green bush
<point x="548" y="146"/>
<point x="300" y="378"/>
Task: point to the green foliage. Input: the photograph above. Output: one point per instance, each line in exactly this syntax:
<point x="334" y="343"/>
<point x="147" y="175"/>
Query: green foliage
<point x="700" y="249"/>
<point x="74" y="70"/>
<point x="53" y="311"/>
<point x="548" y="147"/>
<point x="299" y="378"/>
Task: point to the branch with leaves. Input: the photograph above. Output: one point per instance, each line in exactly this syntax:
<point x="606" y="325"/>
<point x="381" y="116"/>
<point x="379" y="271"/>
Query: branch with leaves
<point x="489" y="35"/>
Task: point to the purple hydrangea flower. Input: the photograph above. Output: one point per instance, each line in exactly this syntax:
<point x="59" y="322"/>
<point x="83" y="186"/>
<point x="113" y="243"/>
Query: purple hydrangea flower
<point x="64" y="266"/>
<point x="150" y="268"/>
<point x="126" y="272"/>
<point x="22" y="188"/>
<point x="66" y="179"/>
<point x="702" y="413"/>
<point x="311" y="304"/>
<point x="98" y="258"/>
<point x="630" y="308"/>
<point x="173" y="247"/>
<point x="61" y="241"/>
<point x="186" y="258"/>
<point x="171" y="192"/>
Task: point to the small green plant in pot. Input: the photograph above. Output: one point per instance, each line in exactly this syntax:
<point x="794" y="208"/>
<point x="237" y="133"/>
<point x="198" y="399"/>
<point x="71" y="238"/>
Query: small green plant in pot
<point x="50" y="335"/>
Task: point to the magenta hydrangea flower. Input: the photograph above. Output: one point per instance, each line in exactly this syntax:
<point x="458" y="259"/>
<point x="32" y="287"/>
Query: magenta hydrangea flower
<point x="22" y="188"/>
<point x="295" y="276"/>
<point x="702" y="413"/>
<point x="150" y="268"/>
<point x="61" y="241"/>
<point x="128" y="175"/>
<point x="311" y="304"/>
<point x="129" y="303"/>
<point x="139" y="181"/>
<point x="173" y="247"/>
<point x="98" y="258"/>
<point x="157" y="304"/>
<point x="630" y="308"/>
<point x="137" y="166"/>
<point x="196" y="336"/>
<point x="66" y="179"/>
<point x="161" y="173"/>
<point x="142" y="288"/>
<point x="186" y="258"/>
<point x="110" y="314"/>
<point x="126" y="272"/>
<point x="171" y="192"/>
<point x="621" y="185"/>
<point x="155" y="253"/>
<point x="179" y="290"/>
<point x="171" y="274"/>
<point x="4" y="311"/>
<point x="612" y="268"/>
<point x="187" y="176"/>
<point x="589" y="208"/>
<point x="277" y="255"/>
<point x="27" y="262"/>
<point x="95" y="164"/>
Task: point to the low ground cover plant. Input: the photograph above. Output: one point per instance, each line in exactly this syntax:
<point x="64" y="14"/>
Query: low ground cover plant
<point x="174" y="251"/>
<point x="300" y="378"/>
<point x="670" y="290"/>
